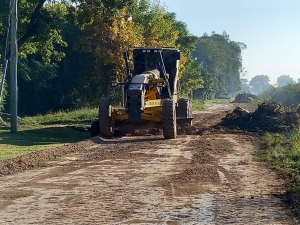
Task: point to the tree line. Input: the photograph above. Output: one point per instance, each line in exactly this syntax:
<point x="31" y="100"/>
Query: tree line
<point x="261" y="83"/>
<point x="69" y="50"/>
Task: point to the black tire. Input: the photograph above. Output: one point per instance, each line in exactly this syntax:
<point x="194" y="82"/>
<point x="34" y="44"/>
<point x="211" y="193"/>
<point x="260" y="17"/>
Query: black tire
<point x="185" y="110"/>
<point x="105" y="114"/>
<point x="181" y="109"/>
<point x="95" y="128"/>
<point x="169" y="124"/>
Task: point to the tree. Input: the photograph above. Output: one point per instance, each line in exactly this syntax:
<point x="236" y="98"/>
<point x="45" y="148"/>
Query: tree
<point x="221" y="59"/>
<point x="192" y="80"/>
<point x="152" y="26"/>
<point x="259" y="84"/>
<point x="39" y="41"/>
<point x="39" y="27"/>
<point x="284" y="80"/>
<point x="288" y="95"/>
<point x="87" y="11"/>
<point x="245" y="85"/>
<point x="42" y="27"/>
<point x="71" y="49"/>
<point x="190" y="69"/>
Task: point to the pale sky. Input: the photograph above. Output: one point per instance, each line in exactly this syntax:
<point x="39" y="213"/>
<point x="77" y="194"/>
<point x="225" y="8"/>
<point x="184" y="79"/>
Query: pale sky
<point x="269" y="28"/>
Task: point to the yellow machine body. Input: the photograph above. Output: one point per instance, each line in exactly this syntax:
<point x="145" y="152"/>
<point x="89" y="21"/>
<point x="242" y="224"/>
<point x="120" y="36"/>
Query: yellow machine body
<point x="152" y="105"/>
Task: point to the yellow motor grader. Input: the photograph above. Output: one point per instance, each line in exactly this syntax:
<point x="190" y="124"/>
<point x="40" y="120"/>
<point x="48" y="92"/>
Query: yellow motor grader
<point x="150" y="93"/>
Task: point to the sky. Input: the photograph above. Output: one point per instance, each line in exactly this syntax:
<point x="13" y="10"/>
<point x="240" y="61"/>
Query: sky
<point x="269" y="28"/>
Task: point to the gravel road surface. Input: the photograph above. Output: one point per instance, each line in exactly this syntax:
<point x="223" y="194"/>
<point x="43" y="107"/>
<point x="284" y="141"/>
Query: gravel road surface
<point x="208" y="177"/>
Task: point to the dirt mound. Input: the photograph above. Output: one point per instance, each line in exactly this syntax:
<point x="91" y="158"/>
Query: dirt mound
<point x="268" y="117"/>
<point x="244" y="98"/>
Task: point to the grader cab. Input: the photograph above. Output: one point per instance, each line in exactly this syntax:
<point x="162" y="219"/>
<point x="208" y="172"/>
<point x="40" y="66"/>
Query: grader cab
<point x="150" y="93"/>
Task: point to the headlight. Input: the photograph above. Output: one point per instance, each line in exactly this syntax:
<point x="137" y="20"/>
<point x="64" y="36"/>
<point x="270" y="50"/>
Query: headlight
<point x="114" y="84"/>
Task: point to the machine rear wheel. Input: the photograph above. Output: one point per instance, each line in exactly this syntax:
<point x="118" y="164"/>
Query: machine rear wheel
<point x="105" y="114"/>
<point x="169" y="119"/>
<point x="184" y="110"/>
<point x="95" y="128"/>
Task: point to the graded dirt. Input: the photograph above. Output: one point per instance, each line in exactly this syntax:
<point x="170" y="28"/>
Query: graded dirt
<point x="207" y="175"/>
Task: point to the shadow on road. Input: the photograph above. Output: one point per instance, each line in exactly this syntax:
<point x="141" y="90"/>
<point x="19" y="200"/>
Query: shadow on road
<point x="128" y="139"/>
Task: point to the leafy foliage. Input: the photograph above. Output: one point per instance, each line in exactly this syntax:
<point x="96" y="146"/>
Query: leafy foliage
<point x="244" y="85"/>
<point x="221" y="62"/>
<point x="4" y="93"/>
<point x="152" y="27"/>
<point x="259" y="84"/>
<point x="69" y="50"/>
<point x="284" y="80"/>
<point x="288" y="96"/>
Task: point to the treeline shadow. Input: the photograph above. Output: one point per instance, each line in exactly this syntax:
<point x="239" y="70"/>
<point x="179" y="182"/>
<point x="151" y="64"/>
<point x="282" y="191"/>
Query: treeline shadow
<point x="66" y="122"/>
<point x="42" y="136"/>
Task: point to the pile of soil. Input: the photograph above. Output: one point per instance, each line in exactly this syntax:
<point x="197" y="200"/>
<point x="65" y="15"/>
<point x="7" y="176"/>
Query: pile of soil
<point x="244" y="98"/>
<point x="269" y="116"/>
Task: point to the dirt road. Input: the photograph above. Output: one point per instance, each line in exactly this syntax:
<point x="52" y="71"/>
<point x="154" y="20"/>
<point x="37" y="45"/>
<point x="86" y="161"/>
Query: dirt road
<point x="210" y="177"/>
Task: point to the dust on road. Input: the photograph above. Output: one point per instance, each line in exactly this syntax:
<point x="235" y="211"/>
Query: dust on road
<point x="212" y="178"/>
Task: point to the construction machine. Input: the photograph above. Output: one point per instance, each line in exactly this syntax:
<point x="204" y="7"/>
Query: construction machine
<point x="150" y="93"/>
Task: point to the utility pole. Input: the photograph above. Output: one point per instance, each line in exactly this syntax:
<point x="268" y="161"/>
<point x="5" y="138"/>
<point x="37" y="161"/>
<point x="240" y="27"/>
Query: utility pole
<point x="13" y="69"/>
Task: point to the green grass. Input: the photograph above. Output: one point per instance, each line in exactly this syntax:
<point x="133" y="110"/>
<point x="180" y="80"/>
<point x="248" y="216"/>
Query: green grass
<point x="283" y="153"/>
<point x="200" y="104"/>
<point x="45" y="131"/>
<point x="80" y="116"/>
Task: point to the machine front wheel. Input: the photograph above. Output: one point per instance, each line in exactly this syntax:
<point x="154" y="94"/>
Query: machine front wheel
<point x="169" y="124"/>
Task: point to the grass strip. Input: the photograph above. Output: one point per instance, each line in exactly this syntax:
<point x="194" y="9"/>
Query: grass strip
<point x="45" y="131"/>
<point x="283" y="153"/>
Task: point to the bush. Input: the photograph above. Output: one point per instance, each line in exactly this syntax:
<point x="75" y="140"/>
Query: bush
<point x="4" y="94"/>
<point x="288" y="96"/>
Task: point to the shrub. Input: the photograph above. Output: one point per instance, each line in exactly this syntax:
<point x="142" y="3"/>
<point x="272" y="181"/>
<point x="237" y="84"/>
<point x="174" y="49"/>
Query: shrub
<point x="4" y="93"/>
<point x="288" y="96"/>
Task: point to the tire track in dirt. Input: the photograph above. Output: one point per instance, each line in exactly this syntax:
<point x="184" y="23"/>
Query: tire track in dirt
<point x="249" y="195"/>
<point x="192" y="180"/>
<point x="195" y="179"/>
